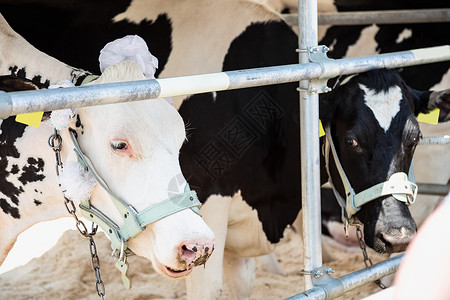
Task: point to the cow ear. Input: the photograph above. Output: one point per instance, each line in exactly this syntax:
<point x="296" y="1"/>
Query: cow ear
<point x="441" y="100"/>
<point x="10" y="83"/>
<point x="427" y="101"/>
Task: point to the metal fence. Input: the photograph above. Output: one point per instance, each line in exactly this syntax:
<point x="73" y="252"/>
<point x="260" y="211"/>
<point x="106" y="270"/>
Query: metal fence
<point x="312" y="73"/>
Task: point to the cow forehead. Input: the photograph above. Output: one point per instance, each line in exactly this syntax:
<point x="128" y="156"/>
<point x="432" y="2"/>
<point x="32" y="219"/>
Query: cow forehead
<point x="146" y="125"/>
<point x="385" y="105"/>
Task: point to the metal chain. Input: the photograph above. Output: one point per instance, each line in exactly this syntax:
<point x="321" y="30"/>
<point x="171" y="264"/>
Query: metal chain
<point x="95" y="264"/>
<point x="367" y="260"/>
<point x="55" y="137"/>
<point x="55" y="142"/>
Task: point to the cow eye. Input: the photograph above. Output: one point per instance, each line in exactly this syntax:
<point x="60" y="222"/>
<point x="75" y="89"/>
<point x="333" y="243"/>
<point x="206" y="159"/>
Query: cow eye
<point x="122" y="147"/>
<point x="415" y="141"/>
<point x="351" y="142"/>
<point x="119" y="145"/>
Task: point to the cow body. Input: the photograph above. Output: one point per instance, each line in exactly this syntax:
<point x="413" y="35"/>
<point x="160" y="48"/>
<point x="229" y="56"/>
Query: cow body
<point x="242" y="150"/>
<point x="39" y="191"/>
<point x="14" y="63"/>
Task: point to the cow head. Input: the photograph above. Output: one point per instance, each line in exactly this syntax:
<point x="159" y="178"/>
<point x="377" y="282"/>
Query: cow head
<point x="372" y="121"/>
<point x="134" y="147"/>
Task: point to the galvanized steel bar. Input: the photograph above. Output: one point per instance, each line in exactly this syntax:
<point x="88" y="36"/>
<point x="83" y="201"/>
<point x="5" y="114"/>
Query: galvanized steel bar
<point x="378" y="17"/>
<point x="309" y="151"/>
<point x="435" y="140"/>
<point x="45" y="100"/>
<point x="335" y="287"/>
<point x="433" y="189"/>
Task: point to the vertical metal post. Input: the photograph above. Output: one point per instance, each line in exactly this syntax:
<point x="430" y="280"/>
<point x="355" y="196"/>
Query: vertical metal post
<point x="309" y="141"/>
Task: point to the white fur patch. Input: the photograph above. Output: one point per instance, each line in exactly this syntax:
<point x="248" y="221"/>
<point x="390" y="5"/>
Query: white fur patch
<point x="384" y="105"/>
<point x="59" y="119"/>
<point x="366" y="44"/>
<point x="404" y="35"/>
<point x="76" y="184"/>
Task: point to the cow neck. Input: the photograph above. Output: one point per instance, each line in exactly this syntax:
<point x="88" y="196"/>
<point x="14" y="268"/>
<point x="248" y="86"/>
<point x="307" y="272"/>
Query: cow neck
<point x="397" y="185"/>
<point x="133" y="222"/>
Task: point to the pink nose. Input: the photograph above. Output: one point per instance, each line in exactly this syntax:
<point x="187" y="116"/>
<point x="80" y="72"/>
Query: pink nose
<point x="195" y="254"/>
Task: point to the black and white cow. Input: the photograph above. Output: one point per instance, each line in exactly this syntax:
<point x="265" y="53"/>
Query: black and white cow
<point x="430" y="160"/>
<point x="242" y="149"/>
<point x="430" y="163"/>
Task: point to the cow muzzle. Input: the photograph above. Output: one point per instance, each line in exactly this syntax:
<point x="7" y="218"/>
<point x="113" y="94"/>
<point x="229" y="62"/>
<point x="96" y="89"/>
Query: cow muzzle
<point x="394" y="239"/>
<point x="392" y="229"/>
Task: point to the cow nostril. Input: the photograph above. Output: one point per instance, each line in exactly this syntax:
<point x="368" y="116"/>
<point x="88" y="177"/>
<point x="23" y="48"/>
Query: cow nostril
<point x="187" y="254"/>
<point x="396" y="241"/>
<point x="383" y="240"/>
<point x="194" y="254"/>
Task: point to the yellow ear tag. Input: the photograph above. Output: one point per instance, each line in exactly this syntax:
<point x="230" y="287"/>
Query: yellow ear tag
<point x="431" y="118"/>
<point x="32" y="119"/>
<point x="321" y="130"/>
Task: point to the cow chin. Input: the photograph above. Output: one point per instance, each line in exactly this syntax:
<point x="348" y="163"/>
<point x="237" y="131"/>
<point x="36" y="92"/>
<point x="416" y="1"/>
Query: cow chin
<point x="390" y="230"/>
<point x="175" y="244"/>
<point x="169" y="271"/>
<point x="140" y="246"/>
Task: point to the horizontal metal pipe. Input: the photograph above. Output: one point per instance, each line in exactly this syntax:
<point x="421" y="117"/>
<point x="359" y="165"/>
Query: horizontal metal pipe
<point x="433" y="189"/>
<point x="435" y="140"/>
<point x="45" y="100"/>
<point x="378" y="17"/>
<point x="335" y="287"/>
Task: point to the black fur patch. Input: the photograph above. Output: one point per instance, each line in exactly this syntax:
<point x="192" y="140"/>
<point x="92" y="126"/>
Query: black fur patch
<point x="31" y="171"/>
<point x="8" y="209"/>
<point x="248" y="139"/>
<point x="14" y="169"/>
<point x="84" y="27"/>
<point x="6" y="187"/>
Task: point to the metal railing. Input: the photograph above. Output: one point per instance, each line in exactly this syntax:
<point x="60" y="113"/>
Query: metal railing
<point x="328" y="288"/>
<point x="378" y="17"/>
<point x="14" y="103"/>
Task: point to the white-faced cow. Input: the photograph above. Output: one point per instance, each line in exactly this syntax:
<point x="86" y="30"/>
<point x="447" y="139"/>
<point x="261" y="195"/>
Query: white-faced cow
<point x="133" y="147"/>
<point x="242" y="150"/>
